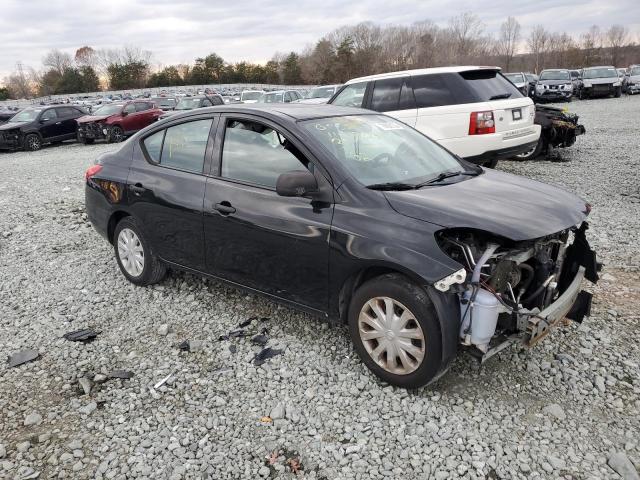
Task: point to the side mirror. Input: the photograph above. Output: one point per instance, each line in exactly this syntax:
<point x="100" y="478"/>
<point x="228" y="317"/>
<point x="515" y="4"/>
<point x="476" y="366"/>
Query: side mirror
<point x="124" y="114"/>
<point x="299" y="183"/>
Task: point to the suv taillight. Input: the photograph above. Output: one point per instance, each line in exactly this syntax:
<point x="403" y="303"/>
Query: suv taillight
<point x="481" y="123"/>
<point x="91" y="171"/>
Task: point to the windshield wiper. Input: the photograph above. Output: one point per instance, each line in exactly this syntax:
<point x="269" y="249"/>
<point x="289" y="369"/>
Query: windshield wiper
<point x="444" y="176"/>
<point x="391" y="186"/>
<point x="499" y="96"/>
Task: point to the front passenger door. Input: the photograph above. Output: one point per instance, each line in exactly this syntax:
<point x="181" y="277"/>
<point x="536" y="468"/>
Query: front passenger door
<point x="254" y="237"/>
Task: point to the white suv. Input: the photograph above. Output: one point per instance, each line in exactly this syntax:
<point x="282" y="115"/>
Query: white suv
<point x="475" y="112"/>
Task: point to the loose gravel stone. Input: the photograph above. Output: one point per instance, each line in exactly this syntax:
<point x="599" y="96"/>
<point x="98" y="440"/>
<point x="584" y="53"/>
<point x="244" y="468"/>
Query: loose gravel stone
<point x="623" y="466"/>
<point x="58" y="275"/>
<point x="33" y="419"/>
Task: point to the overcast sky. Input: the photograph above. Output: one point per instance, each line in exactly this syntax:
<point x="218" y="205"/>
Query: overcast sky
<point x="179" y="31"/>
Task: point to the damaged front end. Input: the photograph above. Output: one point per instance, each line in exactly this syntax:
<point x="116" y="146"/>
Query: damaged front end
<point x="517" y="291"/>
<point x="559" y="127"/>
<point x="96" y="130"/>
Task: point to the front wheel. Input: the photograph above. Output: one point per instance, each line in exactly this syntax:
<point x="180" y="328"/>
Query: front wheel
<point x="115" y="134"/>
<point x="134" y="255"/>
<point x="395" y="331"/>
<point x="32" y="142"/>
<point x="618" y="92"/>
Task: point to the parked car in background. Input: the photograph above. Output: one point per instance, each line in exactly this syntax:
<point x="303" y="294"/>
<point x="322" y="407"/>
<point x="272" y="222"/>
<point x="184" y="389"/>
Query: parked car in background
<point x="116" y="121"/>
<point x="351" y="216"/>
<point x="7" y="113"/>
<point x="576" y="79"/>
<point x="519" y="79"/>
<point x="250" y="96"/>
<point x="320" y="94"/>
<point x="280" y="96"/>
<point x="632" y="80"/>
<point x="475" y="112"/>
<point x="33" y="127"/>
<point x="600" y="82"/>
<point x="554" y="85"/>
<point x="191" y="103"/>
<point x="165" y="103"/>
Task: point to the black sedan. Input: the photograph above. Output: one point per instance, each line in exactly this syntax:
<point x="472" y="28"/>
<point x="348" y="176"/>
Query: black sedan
<point x="31" y="128"/>
<point x="352" y="216"/>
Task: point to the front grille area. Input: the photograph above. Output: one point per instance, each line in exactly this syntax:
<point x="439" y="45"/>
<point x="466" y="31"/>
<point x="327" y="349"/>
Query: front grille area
<point x="90" y="130"/>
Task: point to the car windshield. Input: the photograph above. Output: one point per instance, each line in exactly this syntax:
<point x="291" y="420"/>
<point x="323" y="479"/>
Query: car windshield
<point x="376" y="149"/>
<point x="555" y="75"/>
<point x="109" y="109"/>
<point x="600" y="73"/>
<point x="251" y="95"/>
<point x="322" y="92"/>
<point x="635" y="71"/>
<point x="272" y="98"/>
<point x="514" y="77"/>
<point x="26" y="115"/>
<point x="186" y="103"/>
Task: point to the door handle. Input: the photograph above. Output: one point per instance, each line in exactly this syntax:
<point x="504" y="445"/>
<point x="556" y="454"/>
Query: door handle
<point x="224" y="208"/>
<point x="58" y="123"/>
<point x="137" y="189"/>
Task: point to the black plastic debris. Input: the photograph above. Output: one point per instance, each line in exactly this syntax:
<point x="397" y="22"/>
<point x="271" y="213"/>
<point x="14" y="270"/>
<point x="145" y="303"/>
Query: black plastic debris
<point x="233" y="348"/>
<point x="223" y="337"/>
<point x="85" y="335"/>
<point x="247" y="322"/>
<point x="184" y="346"/>
<point x="237" y="333"/>
<point x="265" y="319"/>
<point x="260" y="339"/>
<point x="123" y="374"/>
<point x="265" y="354"/>
<point x="21" y="357"/>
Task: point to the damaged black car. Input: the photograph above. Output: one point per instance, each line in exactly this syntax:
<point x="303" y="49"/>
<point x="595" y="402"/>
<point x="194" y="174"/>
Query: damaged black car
<point x="352" y="216"/>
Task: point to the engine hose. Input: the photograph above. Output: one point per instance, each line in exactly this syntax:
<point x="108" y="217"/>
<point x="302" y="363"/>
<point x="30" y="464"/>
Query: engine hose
<point x="475" y="277"/>
<point x="529" y="279"/>
<point x="538" y="290"/>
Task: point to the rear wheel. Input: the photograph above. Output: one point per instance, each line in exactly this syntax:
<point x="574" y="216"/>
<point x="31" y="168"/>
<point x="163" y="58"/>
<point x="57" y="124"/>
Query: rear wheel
<point x="532" y="153"/>
<point x="395" y="331"/>
<point x="32" y="142"/>
<point x="135" y="258"/>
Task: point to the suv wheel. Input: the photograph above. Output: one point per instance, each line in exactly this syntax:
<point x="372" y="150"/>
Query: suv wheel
<point x="133" y="253"/>
<point x="32" y="142"/>
<point x="395" y="331"/>
<point x="532" y="153"/>
<point x="115" y="135"/>
<point x="618" y="92"/>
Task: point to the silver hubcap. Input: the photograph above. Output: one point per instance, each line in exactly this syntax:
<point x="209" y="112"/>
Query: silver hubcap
<point x="527" y="153"/>
<point x="391" y="335"/>
<point x="130" y="252"/>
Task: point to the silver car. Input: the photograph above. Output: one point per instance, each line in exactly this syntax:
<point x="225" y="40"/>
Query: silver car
<point x="632" y="80"/>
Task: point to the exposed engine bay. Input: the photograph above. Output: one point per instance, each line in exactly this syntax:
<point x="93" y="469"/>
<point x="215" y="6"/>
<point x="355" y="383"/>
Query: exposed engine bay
<point x="517" y="290"/>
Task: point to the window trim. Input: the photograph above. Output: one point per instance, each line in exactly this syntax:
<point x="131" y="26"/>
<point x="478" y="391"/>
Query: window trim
<point x="216" y="164"/>
<point x="208" y="149"/>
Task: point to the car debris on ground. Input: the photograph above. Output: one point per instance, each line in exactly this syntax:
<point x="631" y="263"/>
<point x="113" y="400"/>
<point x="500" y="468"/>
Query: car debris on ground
<point x="21" y="357"/>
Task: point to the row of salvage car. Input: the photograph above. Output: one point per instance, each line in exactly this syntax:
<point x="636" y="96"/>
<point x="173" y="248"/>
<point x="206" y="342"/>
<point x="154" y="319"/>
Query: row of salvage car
<point x="475" y="112"/>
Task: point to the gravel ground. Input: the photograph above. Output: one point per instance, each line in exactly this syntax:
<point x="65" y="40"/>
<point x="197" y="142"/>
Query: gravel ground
<point x="568" y="408"/>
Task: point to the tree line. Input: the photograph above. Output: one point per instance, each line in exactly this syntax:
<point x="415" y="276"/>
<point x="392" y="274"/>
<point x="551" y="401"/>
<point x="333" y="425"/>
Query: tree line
<point x="344" y="53"/>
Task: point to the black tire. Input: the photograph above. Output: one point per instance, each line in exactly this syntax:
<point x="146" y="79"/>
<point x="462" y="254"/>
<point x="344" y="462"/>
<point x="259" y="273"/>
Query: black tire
<point x="531" y="154"/>
<point x="569" y="99"/>
<point x="32" y="142"/>
<point x="115" y="134"/>
<point x="582" y="95"/>
<point x="415" y="299"/>
<point x="489" y="163"/>
<point x="153" y="269"/>
<point x="85" y="140"/>
<point x="618" y="92"/>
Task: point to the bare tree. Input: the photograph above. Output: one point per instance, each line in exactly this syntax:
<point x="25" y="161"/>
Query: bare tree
<point x="538" y="42"/>
<point x="467" y="34"/>
<point x="617" y="38"/>
<point x="507" y="44"/>
<point x="591" y="45"/>
<point x="57" y="60"/>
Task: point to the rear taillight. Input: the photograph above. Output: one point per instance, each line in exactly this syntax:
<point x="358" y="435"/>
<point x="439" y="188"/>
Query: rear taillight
<point x="481" y="123"/>
<point x="91" y="171"/>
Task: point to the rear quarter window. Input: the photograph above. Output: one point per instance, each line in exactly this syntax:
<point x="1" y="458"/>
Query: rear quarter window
<point x="435" y="91"/>
<point x="392" y="94"/>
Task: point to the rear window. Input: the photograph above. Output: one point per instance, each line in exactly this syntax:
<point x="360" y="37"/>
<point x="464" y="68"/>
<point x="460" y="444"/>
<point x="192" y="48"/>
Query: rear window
<point x="392" y="94"/>
<point x="435" y="91"/>
<point x="489" y="85"/>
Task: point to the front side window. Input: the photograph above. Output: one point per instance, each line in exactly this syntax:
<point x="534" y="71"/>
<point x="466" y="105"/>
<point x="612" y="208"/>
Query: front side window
<point x="377" y="149"/>
<point x="386" y="95"/>
<point x="49" y="114"/>
<point x="142" y="106"/>
<point x="257" y="154"/>
<point x="351" y="96"/>
<point x="130" y="108"/>
<point x="181" y="146"/>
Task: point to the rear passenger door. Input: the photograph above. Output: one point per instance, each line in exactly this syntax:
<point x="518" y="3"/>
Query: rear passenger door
<point x="67" y="116"/>
<point x="394" y="97"/>
<point x="166" y="188"/>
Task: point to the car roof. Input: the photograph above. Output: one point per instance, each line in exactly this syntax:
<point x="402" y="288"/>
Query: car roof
<point x="289" y="111"/>
<point x="600" y="66"/>
<point x="555" y="70"/>
<point x="420" y="71"/>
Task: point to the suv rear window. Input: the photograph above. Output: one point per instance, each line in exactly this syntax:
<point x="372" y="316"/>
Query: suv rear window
<point x="489" y="85"/>
<point x="392" y="94"/>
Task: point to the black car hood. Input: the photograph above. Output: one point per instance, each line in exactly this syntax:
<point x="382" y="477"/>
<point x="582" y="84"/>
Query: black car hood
<point x="13" y="125"/>
<point x="507" y="205"/>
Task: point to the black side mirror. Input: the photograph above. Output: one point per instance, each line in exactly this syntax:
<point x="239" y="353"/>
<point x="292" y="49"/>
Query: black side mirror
<point x="124" y="114"/>
<point x="299" y="183"/>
